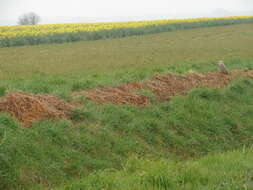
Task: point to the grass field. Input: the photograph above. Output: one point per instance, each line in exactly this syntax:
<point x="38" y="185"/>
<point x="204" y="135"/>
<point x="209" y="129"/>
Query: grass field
<point x="177" y="144"/>
<point x="61" y="68"/>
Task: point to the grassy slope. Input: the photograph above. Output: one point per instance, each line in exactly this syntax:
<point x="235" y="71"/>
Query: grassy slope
<point x="52" y="153"/>
<point x="106" y="136"/>
<point x="229" y="171"/>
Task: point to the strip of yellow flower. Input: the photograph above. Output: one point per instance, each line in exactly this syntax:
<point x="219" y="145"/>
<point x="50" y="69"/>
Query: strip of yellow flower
<point x="40" y="30"/>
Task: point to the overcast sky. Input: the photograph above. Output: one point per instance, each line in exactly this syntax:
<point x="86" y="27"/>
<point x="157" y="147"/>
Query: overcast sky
<point x="99" y="10"/>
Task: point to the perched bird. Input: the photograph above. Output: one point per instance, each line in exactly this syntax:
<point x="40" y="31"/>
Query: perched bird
<point x="222" y="67"/>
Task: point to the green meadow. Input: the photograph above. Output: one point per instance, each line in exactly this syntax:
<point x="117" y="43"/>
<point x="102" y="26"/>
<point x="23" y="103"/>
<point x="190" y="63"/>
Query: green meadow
<point x="201" y="140"/>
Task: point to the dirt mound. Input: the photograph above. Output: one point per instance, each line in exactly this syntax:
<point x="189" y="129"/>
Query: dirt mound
<point x="164" y="87"/>
<point x="28" y="108"/>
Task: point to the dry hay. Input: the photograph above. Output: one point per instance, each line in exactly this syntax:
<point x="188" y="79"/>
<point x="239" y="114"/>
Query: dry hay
<point x="171" y="85"/>
<point x="164" y="87"/>
<point x="122" y="94"/>
<point x="27" y="108"/>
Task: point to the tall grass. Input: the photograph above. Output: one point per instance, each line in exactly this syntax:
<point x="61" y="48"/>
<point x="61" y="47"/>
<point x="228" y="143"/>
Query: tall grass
<point x="101" y="137"/>
<point x="227" y="171"/>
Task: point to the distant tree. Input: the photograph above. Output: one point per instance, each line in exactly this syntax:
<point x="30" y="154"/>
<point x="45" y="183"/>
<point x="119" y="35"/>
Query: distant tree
<point x="29" y="19"/>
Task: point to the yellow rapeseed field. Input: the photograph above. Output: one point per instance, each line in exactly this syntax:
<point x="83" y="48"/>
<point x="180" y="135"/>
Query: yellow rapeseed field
<point x="47" y="29"/>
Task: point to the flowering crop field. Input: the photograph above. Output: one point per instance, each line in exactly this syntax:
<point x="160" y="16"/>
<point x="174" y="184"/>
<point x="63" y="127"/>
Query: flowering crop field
<point x="60" y="33"/>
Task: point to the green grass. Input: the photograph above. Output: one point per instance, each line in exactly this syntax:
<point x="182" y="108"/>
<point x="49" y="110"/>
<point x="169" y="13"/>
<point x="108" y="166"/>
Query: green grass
<point x="60" y="69"/>
<point x="51" y="153"/>
<point x="227" y="171"/>
<point x="94" y="59"/>
<point x="104" y="137"/>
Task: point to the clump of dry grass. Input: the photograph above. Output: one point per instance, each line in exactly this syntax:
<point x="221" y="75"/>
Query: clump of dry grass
<point x="164" y="87"/>
<point x="27" y="108"/>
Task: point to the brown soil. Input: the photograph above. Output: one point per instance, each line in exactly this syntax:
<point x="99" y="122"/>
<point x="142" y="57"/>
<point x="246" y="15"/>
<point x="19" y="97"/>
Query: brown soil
<point x="164" y="87"/>
<point x="27" y="108"/>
